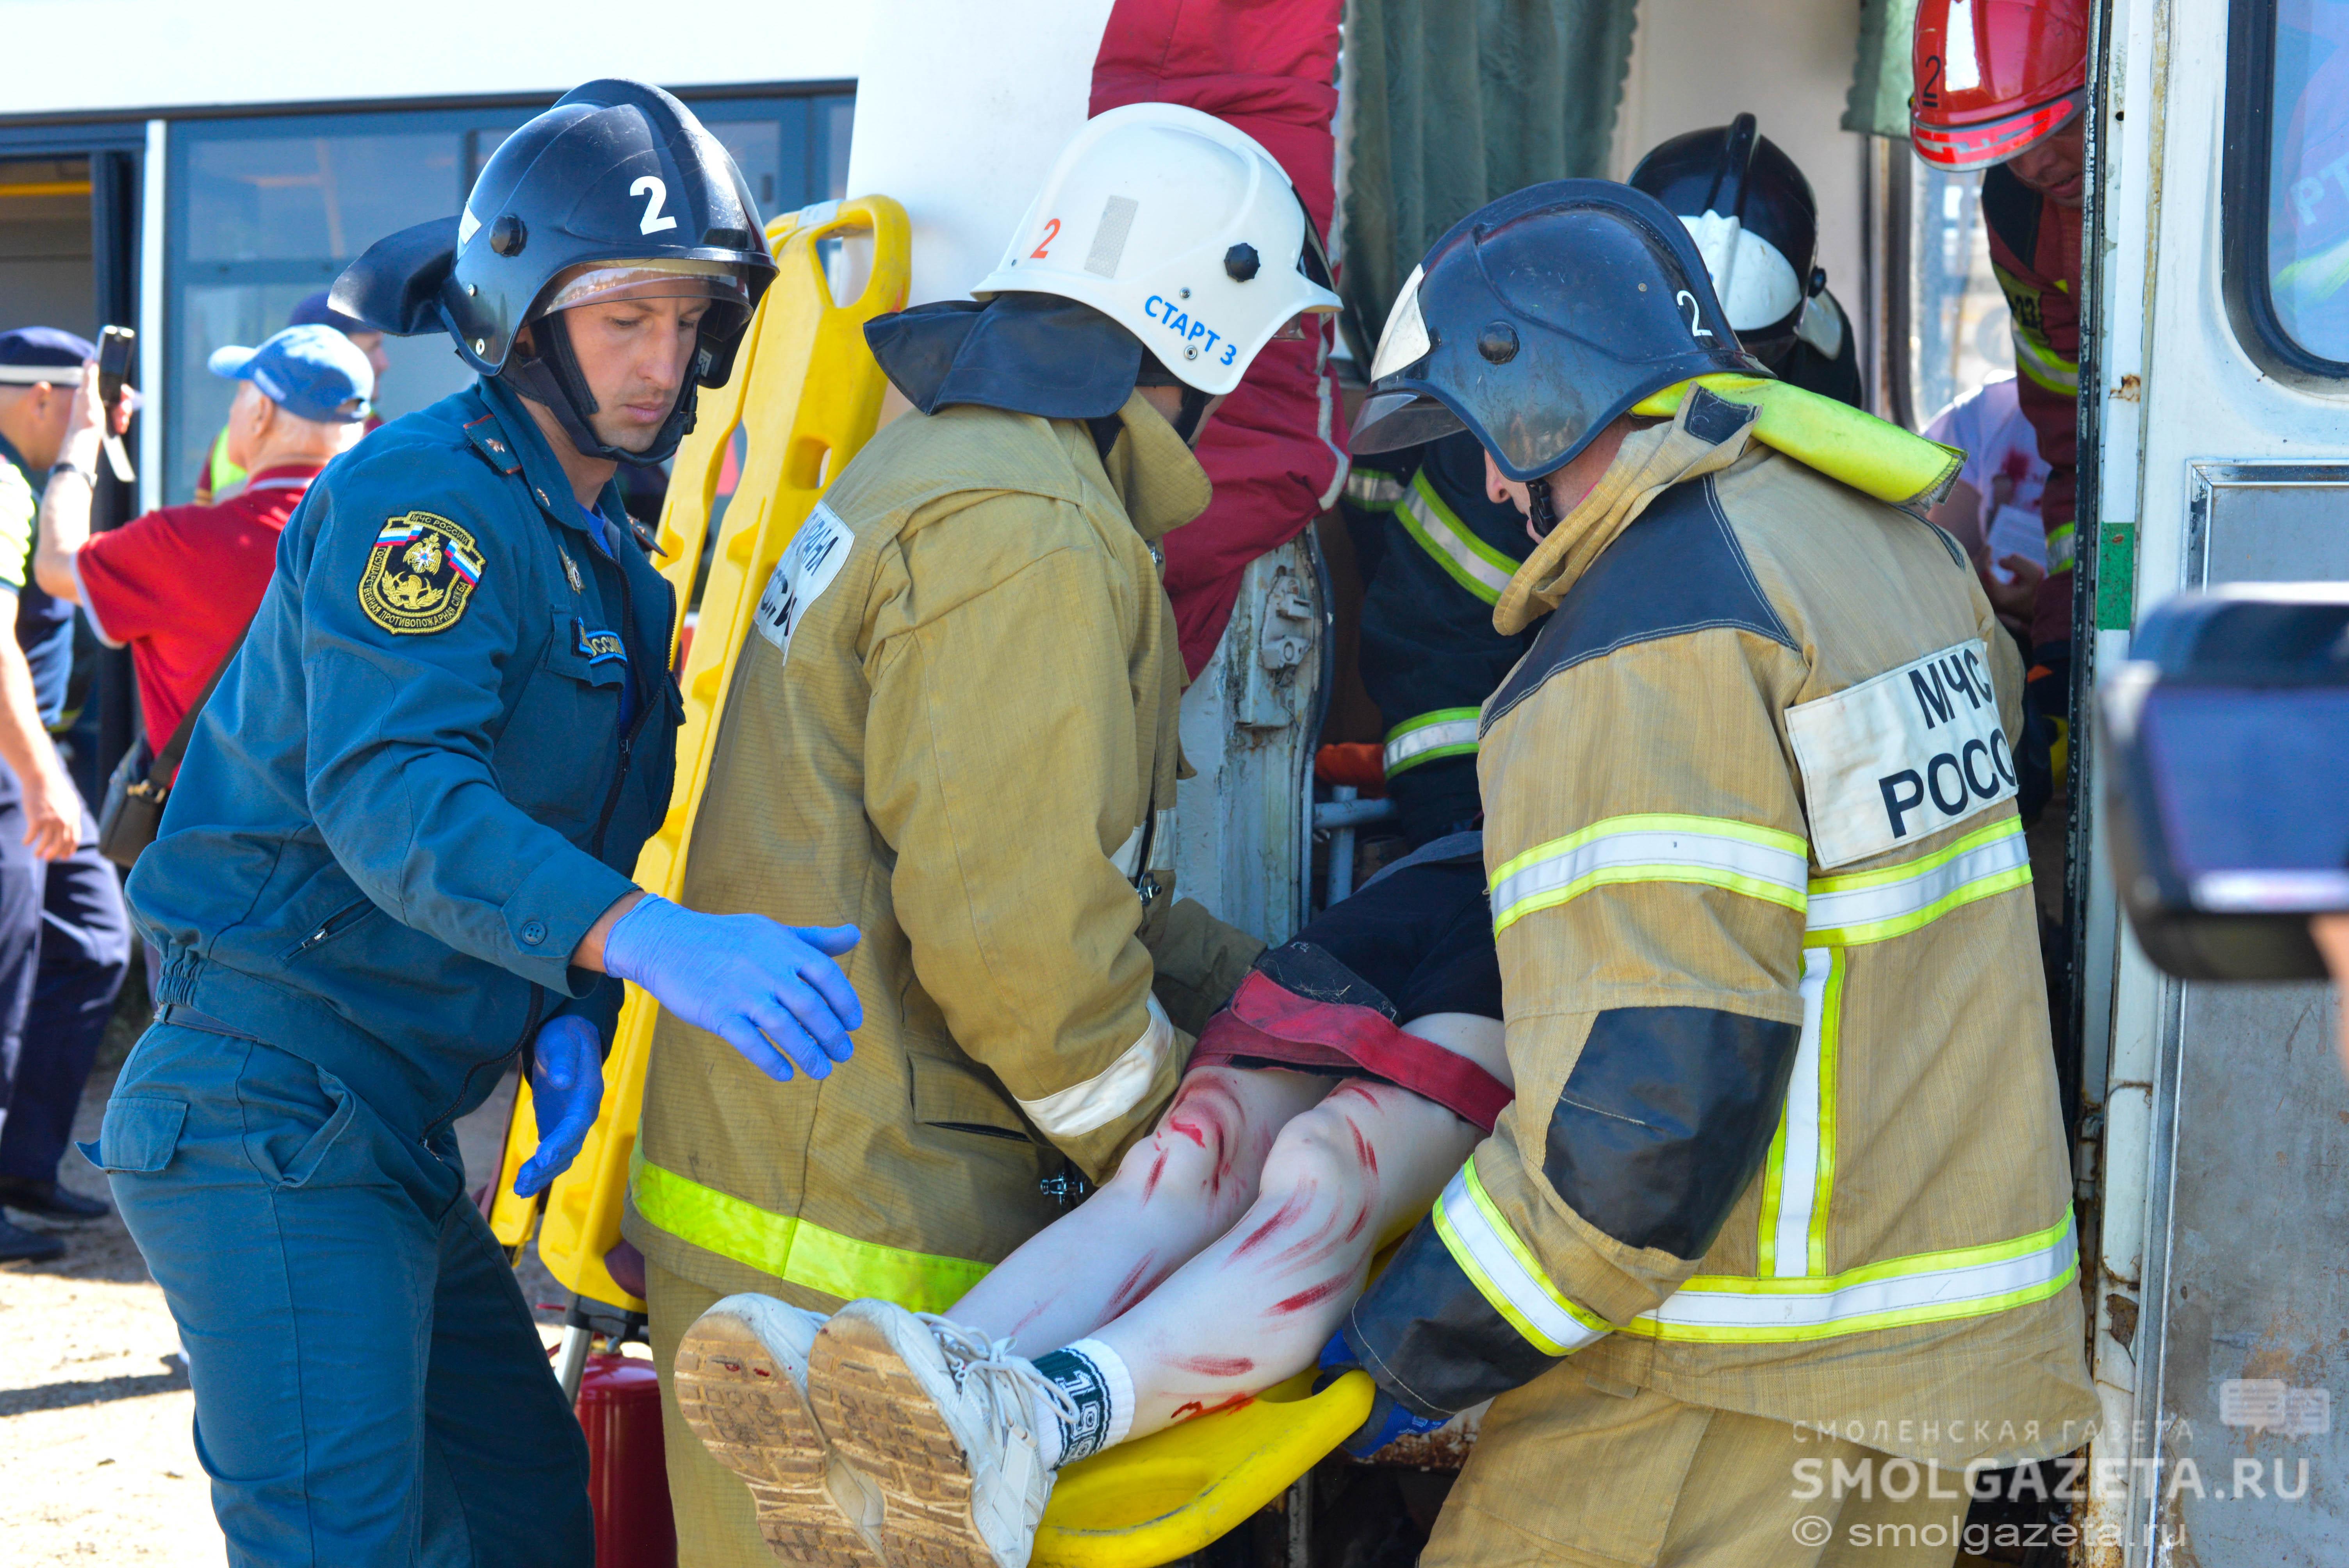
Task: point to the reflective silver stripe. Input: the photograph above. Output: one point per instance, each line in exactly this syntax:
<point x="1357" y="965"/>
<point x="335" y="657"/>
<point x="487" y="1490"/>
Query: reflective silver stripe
<point x="1762" y="862"/>
<point x="1111" y="1092"/>
<point x="1162" y="848"/>
<point x="1798" y="1188"/>
<point x="2064" y="548"/>
<point x="1412" y="740"/>
<point x="1479" y="1240"/>
<point x="1873" y="906"/>
<point x="1473" y="563"/>
<point x="1931" y="1288"/>
<point x="1372" y="491"/>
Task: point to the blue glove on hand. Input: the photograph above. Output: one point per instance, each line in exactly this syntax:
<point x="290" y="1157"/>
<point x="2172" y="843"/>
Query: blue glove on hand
<point x="771" y="991"/>
<point x="567" y="1089"/>
<point x="1389" y="1417"/>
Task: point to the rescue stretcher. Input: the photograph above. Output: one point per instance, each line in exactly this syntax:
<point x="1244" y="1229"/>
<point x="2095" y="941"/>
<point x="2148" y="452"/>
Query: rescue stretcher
<point x="806" y="395"/>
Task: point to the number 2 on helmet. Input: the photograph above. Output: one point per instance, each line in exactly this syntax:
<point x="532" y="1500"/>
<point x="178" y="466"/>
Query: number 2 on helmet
<point x="1051" y="232"/>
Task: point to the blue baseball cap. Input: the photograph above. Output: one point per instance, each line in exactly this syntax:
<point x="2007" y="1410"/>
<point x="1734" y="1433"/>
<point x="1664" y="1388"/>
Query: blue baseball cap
<point x="32" y="354"/>
<point x="312" y="372"/>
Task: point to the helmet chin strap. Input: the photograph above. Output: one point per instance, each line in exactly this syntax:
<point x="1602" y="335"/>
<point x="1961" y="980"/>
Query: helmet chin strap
<point x="551" y="375"/>
<point x="1193" y="410"/>
<point x="1541" y="506"/>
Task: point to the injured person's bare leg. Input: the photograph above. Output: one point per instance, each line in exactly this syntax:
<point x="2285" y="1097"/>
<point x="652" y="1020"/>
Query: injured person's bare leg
<point x="1257" y="1305"/>
<point x="1174" y="1192"/>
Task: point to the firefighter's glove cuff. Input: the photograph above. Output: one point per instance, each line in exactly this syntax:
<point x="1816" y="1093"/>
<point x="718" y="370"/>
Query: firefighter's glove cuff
<point x="769" y="990"/>
<point x="566" y="1090"/>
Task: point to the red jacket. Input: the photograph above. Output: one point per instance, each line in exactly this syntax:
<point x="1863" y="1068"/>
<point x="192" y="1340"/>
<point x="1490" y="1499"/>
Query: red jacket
<point x="180" y="584"/>
<point x="2035" y="249"/>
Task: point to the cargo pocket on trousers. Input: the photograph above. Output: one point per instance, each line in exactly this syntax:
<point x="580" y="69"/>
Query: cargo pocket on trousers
<point x="138" y="1135"/>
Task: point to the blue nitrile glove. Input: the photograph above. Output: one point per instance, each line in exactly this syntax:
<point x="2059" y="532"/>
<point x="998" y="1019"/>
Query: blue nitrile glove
<point x="567" y="1089"/>
<point x="769" y="990"/>
<point x="1389" y="1418"/>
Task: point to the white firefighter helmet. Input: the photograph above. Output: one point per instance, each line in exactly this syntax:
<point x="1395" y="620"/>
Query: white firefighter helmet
<point x="1179" y="228"/>
<point x="1751" y="277"/>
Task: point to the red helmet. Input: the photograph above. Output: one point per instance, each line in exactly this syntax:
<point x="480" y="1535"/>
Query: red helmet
<point x="1995" y="76"/>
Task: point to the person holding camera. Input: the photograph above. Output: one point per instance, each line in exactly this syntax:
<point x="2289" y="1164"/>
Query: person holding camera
<point x="65" y="941"/>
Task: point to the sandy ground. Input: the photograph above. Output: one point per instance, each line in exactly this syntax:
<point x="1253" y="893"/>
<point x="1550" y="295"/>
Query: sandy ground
<point x="98" y="1461"/>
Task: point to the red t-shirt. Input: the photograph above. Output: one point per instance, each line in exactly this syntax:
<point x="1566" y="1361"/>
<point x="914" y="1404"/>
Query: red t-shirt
<point x="180" y="584"/>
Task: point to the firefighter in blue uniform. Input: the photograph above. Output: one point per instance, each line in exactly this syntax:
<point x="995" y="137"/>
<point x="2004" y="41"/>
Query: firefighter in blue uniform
<point x="398" y="854"/>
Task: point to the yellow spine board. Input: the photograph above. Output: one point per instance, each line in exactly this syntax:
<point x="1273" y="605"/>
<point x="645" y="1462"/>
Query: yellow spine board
<point x="1167" y="1495"/>
<point x="807" y="394"/>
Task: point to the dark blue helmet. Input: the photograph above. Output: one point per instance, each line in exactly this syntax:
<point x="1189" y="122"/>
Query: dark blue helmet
<point x="614" y="193"/>
<point x="1538" y="320"/>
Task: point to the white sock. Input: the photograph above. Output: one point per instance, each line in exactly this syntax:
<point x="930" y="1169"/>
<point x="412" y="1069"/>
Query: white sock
<point x="1096" y="1378"/>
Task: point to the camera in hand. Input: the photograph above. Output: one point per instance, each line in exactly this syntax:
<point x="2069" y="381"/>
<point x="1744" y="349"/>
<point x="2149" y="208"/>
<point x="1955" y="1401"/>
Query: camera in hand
<point x="2226" y="740"/>
<point x="116" y="346"/>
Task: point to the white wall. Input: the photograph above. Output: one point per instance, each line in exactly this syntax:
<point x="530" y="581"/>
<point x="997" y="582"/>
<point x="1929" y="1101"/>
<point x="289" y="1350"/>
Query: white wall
<point x="117" y="55"/>
<point x="1696" y="63"/>
<point x="962" y="128"/>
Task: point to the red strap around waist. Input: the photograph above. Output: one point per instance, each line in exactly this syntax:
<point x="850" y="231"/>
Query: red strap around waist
<point x="1267" y="1020"/>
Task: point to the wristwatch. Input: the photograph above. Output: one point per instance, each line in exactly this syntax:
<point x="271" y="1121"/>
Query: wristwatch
<point x="88" y="476"/>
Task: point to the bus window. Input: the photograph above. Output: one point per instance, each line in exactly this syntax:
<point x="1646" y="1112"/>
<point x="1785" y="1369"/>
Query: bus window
<point x="266" y="209"/>
<point x="1958" y="336"/>
<point x="2308" y="177"/>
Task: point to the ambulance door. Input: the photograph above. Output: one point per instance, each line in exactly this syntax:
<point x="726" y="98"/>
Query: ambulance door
<point x="2218" y="426"/>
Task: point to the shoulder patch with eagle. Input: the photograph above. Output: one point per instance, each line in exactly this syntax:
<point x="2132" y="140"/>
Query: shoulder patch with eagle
<point x="420" y="574"/>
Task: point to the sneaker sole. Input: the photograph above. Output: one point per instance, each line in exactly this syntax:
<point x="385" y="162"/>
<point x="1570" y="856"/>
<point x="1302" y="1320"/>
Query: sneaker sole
<point x="751" y="1415"/>
<point x="882" y="1420"/>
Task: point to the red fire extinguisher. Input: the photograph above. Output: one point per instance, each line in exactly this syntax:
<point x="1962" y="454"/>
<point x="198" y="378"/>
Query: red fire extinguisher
<point x="619" y="1406"/>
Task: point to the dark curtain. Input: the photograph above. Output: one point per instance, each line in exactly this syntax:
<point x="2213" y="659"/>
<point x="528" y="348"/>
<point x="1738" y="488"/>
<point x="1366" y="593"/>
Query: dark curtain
<point x="1456" y="102"/>
<point x="1882" y="76"/>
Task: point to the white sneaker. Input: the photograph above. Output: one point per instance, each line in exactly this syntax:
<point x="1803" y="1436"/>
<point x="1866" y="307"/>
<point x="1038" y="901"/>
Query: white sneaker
<point x="942" y="1419"/>
<point x="741" y="1380"/>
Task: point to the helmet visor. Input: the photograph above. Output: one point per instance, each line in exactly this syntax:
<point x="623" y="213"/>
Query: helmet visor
<point x="652" y="277"/>
<point x="1959" y="148"/>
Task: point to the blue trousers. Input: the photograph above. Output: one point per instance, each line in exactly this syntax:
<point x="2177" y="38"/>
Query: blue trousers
<point x="369" y="1390"/>
<point x="65" y="946"/>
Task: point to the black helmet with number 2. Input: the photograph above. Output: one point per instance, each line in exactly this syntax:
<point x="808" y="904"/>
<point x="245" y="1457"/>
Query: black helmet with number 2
<point x="616" y="192"/>
<point x="1538" y="320"/>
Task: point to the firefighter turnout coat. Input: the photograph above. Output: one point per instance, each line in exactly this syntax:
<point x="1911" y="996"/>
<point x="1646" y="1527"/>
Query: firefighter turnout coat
<point x="952" y="726"/>
<point x="1786" y="1139"/>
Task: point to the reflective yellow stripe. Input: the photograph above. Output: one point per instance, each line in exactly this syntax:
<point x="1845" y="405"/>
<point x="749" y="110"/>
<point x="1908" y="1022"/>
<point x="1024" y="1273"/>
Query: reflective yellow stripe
<point x="1875" y="906"/>
<point x="1445" y="732"/>
<point x="1505" y="1271"/>
<point x="2033" y="354"/>
<point x="796" y="1250"/>
<point x="2063" y="548"/>
<point x="1830" y="1064"/>
<point x="1372" y="491"/>
<point x="1928" y="1287"/>
<point x="1761" y="862"/>
<point x="1473" y="563"/>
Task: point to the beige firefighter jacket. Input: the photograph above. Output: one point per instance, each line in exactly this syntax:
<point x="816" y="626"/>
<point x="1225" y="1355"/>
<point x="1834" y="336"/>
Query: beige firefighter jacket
<point x="1786" y="1139"/>
<point x="952" y="726"/>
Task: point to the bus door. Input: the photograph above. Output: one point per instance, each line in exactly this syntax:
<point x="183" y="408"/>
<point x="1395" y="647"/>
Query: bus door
<point x="2216" y="419"/>
<point x="69" y="252"/>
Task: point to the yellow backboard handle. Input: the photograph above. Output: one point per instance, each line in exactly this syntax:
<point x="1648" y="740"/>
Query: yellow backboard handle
<point x="806" y="393"/>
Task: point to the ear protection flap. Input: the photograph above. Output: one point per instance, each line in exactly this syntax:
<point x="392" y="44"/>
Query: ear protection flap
<point x="395" y="286"/>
